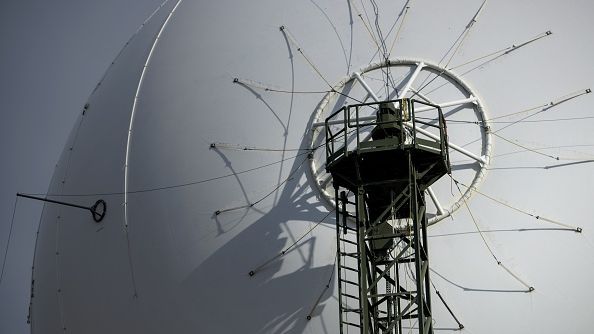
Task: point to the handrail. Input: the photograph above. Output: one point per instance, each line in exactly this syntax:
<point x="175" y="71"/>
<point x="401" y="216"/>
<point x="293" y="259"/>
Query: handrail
<point x="349" y="121"/>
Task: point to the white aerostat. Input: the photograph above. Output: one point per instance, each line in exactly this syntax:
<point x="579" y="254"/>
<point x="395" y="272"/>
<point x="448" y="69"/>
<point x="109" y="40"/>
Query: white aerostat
<point x="204" y="140"/>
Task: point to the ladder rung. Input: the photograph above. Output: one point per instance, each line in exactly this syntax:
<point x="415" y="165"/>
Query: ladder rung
<point x="348" y="241"/>
<point x="406" y="260"/>
<point x="351" y="324"/>
<point x="385" y="236"/>
<point x="356" y="310"/>
<point x="350" y="228"/>
<point x="401" y="260"/>
<point x="353" y="255"/>
<point x="347" y="201"/>
<point x="350" y="282"/>
<point x="342" y="213"/>
<point x="349" y="268"/>
<point x="350" y="296"/>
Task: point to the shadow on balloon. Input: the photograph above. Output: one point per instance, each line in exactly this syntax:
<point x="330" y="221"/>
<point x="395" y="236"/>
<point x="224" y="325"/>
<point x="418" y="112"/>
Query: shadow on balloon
<point x="282" y="291"/>
<point x="286" y="285"/>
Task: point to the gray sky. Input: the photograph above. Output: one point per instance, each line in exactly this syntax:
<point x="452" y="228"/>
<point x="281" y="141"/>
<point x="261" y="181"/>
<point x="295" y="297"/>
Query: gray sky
<point x="52" y="56"/>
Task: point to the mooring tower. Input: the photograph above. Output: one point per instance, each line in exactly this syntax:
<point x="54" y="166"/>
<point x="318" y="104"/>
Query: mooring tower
<point x="380" y="170"/>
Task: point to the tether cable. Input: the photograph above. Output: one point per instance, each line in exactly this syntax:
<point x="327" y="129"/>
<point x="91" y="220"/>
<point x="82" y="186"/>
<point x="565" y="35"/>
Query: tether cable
<point x="326" y="287"/>
<point x="293" y="41"/>
<point x="291" y="246"/>
<point x="507" y="205"/>
<point x="524" y="147"/>
<point x="543" y="108"/>
<point x="249" y="205"/>
<point x="407" y="8"/>
<point x="499" y="263"/>
<point x="501" y="52"/>
<point x="268" y="88"/>
<point x="455" y="47"/>
<point x="16" y="200"/>
<point x="365" y="23"/>
<point x="181" y="185"/>
<point x="460" y="326"/>
<point x="237" y="147"/>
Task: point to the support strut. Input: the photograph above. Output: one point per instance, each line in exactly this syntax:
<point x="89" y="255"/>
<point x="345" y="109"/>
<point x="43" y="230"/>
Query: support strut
<point x="97" y="210"/>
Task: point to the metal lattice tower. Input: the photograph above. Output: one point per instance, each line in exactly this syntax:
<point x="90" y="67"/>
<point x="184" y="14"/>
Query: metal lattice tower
<point x="380" y="171"/>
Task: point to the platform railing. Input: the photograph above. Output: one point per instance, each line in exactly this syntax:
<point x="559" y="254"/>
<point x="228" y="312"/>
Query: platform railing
<point x="347" y="132"/>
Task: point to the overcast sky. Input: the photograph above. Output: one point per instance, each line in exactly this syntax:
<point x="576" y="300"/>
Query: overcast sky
<point x="53" y="54"/>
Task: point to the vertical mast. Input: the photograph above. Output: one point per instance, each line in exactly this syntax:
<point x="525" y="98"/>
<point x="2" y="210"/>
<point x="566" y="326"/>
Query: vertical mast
<point x="381" y="226"/>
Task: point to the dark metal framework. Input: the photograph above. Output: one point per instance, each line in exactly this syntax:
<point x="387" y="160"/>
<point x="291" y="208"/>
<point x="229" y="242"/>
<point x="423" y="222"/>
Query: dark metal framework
<point x="379" y="183"/>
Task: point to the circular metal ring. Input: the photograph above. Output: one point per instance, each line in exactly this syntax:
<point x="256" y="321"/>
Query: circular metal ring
<point x="323" y="110"/>
<point x="98" y="210"/>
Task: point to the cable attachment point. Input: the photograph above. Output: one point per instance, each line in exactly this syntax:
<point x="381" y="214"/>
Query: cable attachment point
<point x="588" y="91"/>
<point x="251" y="273"/>
<point x="98" y="210"/>
<point x="578" y="230"/>
<point x="235" y="80"/>
<point x="530" y="289"/>
<point x="548" y="33"/>
<point x="281" y="28"/>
